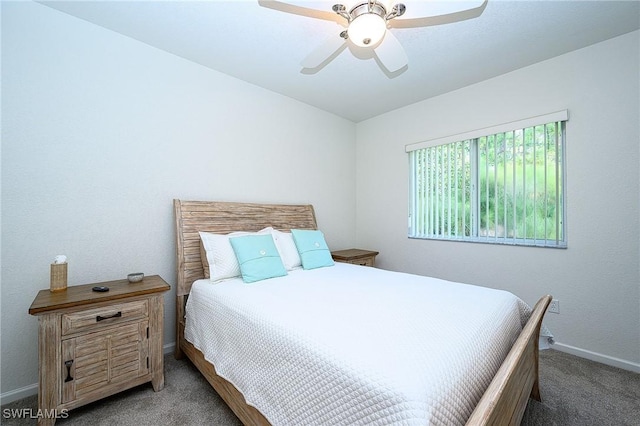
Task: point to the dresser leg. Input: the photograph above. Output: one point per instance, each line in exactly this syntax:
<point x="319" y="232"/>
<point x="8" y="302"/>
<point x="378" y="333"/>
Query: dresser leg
<point x="155" y="343"/>
<point x="157" y="382"/>
<point x="49" y="358"/>
<point x="46" y="421"/>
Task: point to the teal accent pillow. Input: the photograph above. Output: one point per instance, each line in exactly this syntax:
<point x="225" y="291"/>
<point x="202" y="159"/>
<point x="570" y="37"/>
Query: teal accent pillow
<point x="258" y="257"/>
<point x="312" y="248"/>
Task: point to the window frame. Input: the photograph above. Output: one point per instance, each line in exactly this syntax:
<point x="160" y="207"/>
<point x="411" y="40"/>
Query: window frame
<point x="473" y="137"/>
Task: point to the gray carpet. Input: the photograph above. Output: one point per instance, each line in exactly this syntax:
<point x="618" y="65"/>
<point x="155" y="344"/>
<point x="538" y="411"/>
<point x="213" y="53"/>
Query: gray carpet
<point x="574" y="391"/>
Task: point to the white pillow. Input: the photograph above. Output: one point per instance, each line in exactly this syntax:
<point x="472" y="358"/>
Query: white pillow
<point x="220" y="255"/>
<point x="287" y="248"/>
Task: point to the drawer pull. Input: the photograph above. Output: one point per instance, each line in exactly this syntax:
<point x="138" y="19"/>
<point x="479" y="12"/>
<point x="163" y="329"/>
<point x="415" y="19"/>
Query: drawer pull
<point x="68" y="364"/>
<point x="116" y="315"/>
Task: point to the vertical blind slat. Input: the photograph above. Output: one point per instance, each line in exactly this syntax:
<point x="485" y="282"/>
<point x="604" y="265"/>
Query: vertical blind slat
<point x="546" y="182"/>
<point x="557" y="182"/>
<point x="504" y="190"/>
<point x="495" y="187"/>
<point x="535" y="193"/>
<point x="514" y="198"/>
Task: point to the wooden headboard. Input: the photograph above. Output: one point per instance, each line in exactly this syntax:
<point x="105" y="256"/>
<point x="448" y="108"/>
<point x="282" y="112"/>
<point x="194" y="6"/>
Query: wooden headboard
<point x="222" y="218"/>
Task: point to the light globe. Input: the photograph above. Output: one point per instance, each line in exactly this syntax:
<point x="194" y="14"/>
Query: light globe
<point x="367" y="30"/>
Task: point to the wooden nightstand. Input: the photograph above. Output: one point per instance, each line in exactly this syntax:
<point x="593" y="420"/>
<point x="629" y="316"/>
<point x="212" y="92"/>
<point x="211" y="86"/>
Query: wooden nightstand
<point x="355" y="256"/>
<point x="92" y="345"/>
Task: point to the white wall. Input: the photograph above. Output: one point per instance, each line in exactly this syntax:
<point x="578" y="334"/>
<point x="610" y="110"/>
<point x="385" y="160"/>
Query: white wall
<point x="597" y="278"/>
<point x="101" y="132"/>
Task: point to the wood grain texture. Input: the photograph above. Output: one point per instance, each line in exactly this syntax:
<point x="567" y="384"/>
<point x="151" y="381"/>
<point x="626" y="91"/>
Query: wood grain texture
<point x="220" y="217"/>
<point x="80" y="295"/>
<point x="49" y="360"/>
<point x="156" y="336"/>
<point x="181" y="302"/>
<point x="355" y="256"/>
<point x="504" y="401"/>
<point x="87" y="320"/>
<point x="92" y="345"/>
<point x="102" y="359"/>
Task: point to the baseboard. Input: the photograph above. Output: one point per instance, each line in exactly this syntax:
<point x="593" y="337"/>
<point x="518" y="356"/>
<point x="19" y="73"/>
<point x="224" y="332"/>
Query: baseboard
<point x="594" y="356"/>
<point x="24" y="392"/>
<point x="169" y="348"/>
<point x="16" y="394"/>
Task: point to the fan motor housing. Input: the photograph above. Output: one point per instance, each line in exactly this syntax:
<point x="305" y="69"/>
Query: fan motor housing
<point x="373" y="7"/>
<point x="360" y="9"/>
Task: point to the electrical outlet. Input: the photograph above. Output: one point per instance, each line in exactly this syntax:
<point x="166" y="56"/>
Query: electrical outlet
<point x="554" y="306"/>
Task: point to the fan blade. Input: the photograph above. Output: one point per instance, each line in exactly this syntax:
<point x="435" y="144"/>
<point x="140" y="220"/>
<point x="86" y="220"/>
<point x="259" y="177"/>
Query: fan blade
<point x="391" y="53"/>
<point x="323" y="52"/>
<point x="425" y="14"/>
<point x="321" y="13"/>
<point x="312" y="4"/>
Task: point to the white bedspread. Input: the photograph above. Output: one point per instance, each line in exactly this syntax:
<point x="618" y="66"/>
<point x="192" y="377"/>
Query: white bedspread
<point x="355" y="345"/>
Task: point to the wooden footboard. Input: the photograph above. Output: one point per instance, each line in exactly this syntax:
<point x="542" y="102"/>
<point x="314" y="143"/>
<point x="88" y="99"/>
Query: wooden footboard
<point x="505" y="400"/>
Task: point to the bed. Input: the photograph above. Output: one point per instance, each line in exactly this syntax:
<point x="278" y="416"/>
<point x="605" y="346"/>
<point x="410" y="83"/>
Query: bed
<point x="502" y="400"/>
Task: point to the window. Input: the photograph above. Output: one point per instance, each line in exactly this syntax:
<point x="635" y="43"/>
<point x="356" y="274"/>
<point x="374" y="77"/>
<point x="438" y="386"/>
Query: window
<point x="501" y="185"/>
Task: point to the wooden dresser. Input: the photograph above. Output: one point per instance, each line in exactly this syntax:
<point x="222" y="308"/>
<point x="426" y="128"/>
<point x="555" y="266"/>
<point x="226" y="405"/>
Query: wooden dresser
<point x="355" y="256"/>
<point x="94" y="344"/>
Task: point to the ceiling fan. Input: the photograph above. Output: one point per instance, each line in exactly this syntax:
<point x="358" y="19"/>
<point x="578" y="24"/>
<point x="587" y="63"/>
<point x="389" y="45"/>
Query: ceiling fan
<point x="368" y="23"/>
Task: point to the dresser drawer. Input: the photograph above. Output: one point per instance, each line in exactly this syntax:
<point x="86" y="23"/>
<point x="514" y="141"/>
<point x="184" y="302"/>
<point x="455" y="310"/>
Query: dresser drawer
<point x="365" y="261"/>
<point x="98" y="318"/>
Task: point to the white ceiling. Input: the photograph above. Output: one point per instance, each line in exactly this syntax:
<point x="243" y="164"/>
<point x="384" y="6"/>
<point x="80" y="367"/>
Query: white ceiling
<point x="264" y="46"/>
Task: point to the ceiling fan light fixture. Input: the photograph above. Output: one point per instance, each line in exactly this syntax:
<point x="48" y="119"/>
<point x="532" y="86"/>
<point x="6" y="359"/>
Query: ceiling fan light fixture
<point x="367" y="29"/>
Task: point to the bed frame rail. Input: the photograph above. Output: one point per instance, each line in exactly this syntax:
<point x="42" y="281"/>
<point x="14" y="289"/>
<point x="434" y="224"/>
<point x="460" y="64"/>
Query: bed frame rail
<point x="506" y="398"/>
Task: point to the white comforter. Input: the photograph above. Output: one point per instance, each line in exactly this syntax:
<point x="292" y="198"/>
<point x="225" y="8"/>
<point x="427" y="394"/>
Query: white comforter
<point x="355" y="345"/>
